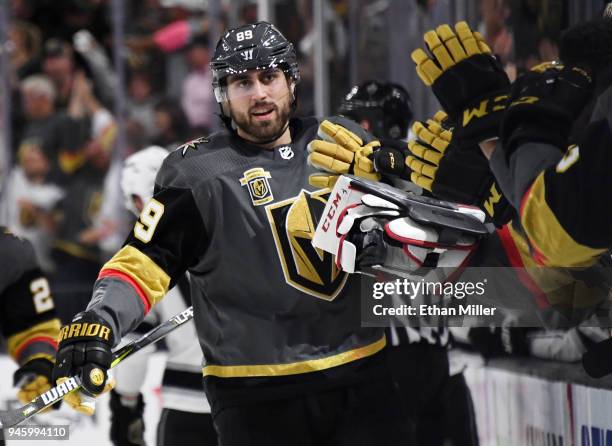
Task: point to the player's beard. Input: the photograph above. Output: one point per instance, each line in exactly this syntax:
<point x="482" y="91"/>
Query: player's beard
<point x="266" y="130"/>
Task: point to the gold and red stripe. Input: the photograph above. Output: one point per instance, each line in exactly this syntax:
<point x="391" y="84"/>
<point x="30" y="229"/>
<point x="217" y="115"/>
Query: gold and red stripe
<point x="508" y="239"/>
<point x="137" y="269"/>
<point x="38" y="339"/>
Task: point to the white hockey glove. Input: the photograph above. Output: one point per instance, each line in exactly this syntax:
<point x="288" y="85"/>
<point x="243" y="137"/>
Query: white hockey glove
<point x="388" y="230"/>
<point x="390" y="241"/>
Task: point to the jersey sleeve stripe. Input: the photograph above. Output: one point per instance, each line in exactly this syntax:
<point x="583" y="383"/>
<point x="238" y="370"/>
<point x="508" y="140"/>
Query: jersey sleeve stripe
<point x="508" y="240"/>
<point x="35" y="347"/>
<point x="150" y="278"/>
<point x="122" y="276"/>
<point x="40" y="338"/>
<point x="552" y="245"/>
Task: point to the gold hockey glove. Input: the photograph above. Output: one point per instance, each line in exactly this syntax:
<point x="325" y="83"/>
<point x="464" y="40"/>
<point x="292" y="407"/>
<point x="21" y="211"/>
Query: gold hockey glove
<point x="454" y="173"/>
<point x="33" y="378"/>
<point x="340" y="151"/>
<point x="467" y="79"/>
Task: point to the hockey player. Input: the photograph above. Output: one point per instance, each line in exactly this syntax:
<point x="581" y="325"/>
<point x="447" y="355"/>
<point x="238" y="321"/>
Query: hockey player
<point x="554" y="187"/>
<point x="444" y="168"/>
<point x="382" y="108"/>
<point x="185" y="416"/>
<point x="285" y="358"/>
<point x="27" y="316"/>
<point x="544" y="180"/>
<point x="419" y="356"/>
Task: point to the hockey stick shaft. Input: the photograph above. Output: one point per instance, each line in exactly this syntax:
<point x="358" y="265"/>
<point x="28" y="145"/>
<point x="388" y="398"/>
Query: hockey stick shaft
<point x="10" y="418"/>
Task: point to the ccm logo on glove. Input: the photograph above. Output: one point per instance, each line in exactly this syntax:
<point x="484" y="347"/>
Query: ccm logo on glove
<point x="332" y="210"/>
<point x="485" y="108"/>
<point x="85" y="329"/>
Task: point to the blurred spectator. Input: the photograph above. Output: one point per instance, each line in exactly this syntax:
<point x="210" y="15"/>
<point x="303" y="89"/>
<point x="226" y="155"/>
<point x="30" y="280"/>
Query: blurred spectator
<point x="335" y="50"/>
<point x="58" y="64"/>
<point x="75" y="248"/>
<point x="171" y="123"/>
<point x="197" y="96"/>
<point x="548" y="49"/>
<point x="141" y="102"/>
<point x="79" y="226"/>
<point x="135" y="136"/>
<point x="25" y="41"/>
<point x="62" y="19"/>
<point x="171" y="39"/>
<point x="98" y="64"/>
<point x="496" y="32"/>
<point x="54" y="132"/>
<point x="28" y="199"/>
<point x="104" y="230"/>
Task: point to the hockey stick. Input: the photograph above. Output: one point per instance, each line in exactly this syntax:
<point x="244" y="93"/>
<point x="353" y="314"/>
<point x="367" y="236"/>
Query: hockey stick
<point x="10" y="418"/>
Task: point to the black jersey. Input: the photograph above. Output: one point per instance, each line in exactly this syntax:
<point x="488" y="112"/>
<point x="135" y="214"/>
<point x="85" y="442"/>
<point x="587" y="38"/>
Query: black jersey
<point x="562" y="199"/>
<point x="241" y="220"/>
<point x="27" y="312"/>
<point x="78" y="210"/>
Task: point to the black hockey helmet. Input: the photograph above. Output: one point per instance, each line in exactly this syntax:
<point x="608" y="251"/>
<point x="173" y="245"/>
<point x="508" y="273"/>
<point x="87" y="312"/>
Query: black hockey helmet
<point x="385" y="105"/>
<point x="255" y="46"/>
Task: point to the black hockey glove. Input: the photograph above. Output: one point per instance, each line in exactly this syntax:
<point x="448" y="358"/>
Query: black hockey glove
<point x="453" y="173"/>
<point x="467" y="79"/>
<point x="543" y="105"/>
<point x="33" y="378"/>
<point x="127" y="425"/>
<point x="84" y="349"/>
<point x="390" y="159"/>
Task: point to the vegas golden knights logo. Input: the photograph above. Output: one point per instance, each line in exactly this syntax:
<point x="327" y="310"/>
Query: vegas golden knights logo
<point x="305" y="267"/>
<point x="256" y="180"/>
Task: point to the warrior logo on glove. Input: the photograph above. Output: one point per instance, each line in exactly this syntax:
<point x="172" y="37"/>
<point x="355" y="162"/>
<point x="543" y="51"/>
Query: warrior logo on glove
<point x="85" y="329"/>
<point x="85" y="350"/>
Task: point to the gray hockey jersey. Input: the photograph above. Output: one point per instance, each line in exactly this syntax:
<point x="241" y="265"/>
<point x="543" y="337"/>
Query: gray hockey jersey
<point x="240" y="219"/>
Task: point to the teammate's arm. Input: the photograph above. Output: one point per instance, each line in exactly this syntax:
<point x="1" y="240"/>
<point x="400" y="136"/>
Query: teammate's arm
<point x="563" y="198"/>
<point x="27" y="319"/>
<point x="560" y="194"/>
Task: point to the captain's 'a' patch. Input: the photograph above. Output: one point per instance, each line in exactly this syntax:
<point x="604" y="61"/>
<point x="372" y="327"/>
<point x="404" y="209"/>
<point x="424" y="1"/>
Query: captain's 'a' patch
<point x="309" y="269"/>
<point x="256" y="180"/>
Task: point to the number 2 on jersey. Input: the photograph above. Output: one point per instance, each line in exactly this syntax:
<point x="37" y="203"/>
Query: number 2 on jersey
<point x="41" y="295"/>
<point x="147" y="222"/>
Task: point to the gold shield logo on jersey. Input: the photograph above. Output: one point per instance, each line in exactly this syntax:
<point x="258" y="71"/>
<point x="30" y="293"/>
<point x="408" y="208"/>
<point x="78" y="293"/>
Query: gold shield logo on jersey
<point x="256" y="180"/>
<point x="306" y="268"/>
